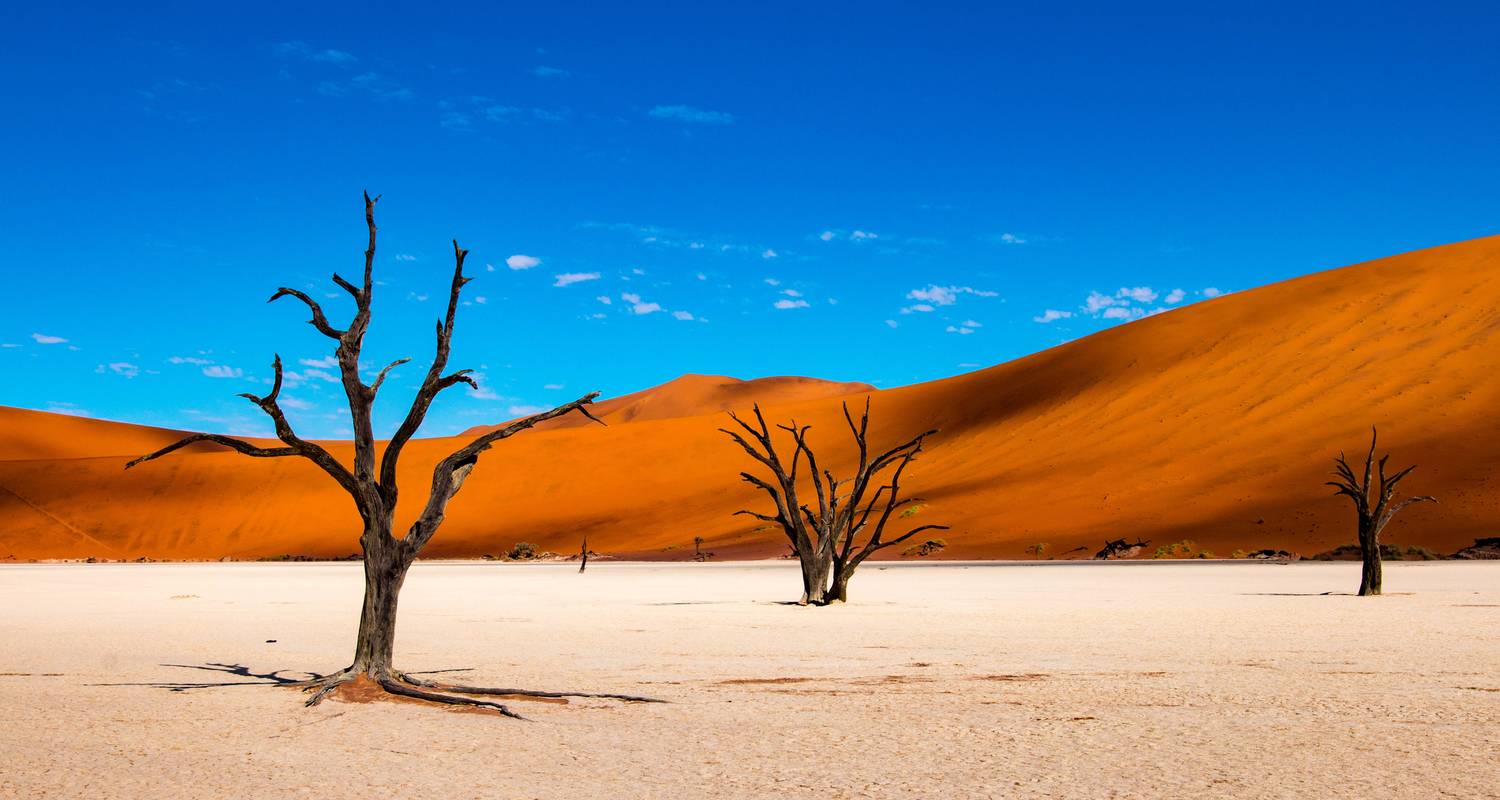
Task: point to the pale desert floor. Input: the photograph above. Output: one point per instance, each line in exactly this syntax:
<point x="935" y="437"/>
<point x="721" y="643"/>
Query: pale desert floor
<point x="1054" y="680"/>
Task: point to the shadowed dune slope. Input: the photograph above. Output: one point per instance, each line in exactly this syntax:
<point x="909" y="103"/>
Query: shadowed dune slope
<point x="1216" y="422"/>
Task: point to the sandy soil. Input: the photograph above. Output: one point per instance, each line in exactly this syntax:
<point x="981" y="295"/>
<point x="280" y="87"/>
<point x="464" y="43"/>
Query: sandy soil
<point x="1216" y="422"/>
<point x="1148" y="680"/>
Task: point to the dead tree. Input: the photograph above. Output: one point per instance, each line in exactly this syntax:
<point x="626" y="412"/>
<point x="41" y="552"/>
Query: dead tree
<point x="583" y="554"/>
<point x="848" y="525"/>
<point x="371" y="482"/>
<point x="1372" y="504"/>
<point x="1119" y="548"/>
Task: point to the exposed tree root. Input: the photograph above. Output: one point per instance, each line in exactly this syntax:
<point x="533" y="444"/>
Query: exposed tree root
<point x="405" y="685"/>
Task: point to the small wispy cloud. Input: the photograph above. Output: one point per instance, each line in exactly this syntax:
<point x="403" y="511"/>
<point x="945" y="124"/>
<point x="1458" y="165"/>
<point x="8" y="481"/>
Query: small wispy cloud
<point x="405" y="257"/>
<point x="570" y="278"/>
<point x="326" y="362"/>
<point x="685" y="316"/>
<point x="605" y="299"/>
<point x="788" y="304"/>
<point x="42" y="338"/>
<point x="1212" y="292"/>
<point x="122" y="368"/>
<point x="1011" y="238"/>
<point x="553" y="386"/>
<point x="1175" y="296"/>
<point x="639" y="306"/>
<point x="933" y="296"/>
<point x="221" y="371"/>
<point x="522" y="261"/>
<point x="692" y="115"/>
<point x="190" y="360"/>
<point x="305" y="51"/>
<point x="1052" y="315"/>
<point x="549" y="72"/>
<point x="851" y="236"/>
<point x="768" y="253"/>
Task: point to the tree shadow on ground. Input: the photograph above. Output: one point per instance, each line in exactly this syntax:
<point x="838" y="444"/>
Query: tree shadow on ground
<point x="277" y="677"/>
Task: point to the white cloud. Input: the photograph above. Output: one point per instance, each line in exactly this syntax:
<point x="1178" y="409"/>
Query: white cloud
<point x="221" y="371"/>
<point x="524" y="410"/>
<point x="420" y="298"/>
<point x="522" y="261"/>
<point x="310" y="374"/>
<point x="1052" y="315"/>
<point x="1011" y="238"/>
<point x="791" y="292"/>
<point x="683" y="315"/>
<point x="945" y="295"/>
<point x="190" y="360"/>
<point x="42" y="338"/>
<point x="1122" y="312"/>
<point x="124" y="368"/>
<point x="969" y="323"/>
<point x="826" y="236"/>
<point x="768" y="253"/>
<point x="9" y="346"/>
<point x="1140" y="294"/>
<point x="326" y="362"/>
<point x="859" y="236"/>
<point x="568" y="278"/>
<point x="773" y="282"/>
<point x="292" y="402"/>
<point x="637" y="271"/>
<point x="1098" y="302"/>
<point x="481" y="299"/>
<point x="405" y="257"/>
<point x="890" y="323"/>
<point x="639" y="306"/>
<point x="1175" y="296"/>
<point x="786" y="304"/>
<point x="1212" y="292"/>
<point x="922" y="308"/>
<point x="702" y="277"/>
<point x="964" y="330"/>
<point x="853" y="236"/>
<point x="696" y="116"/>
<point x="553" y="386"/>
<point x="604" y="298"/>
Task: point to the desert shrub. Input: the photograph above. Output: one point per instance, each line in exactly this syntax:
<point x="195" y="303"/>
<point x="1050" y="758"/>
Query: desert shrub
<point x="522" y="551"/>
<point x="1206" y="554"/>
<point x="926" y="548"/>
<point x="1238" y="554"/>
<point x="1036" y="549"/>
<point x="911" y="511"/>
<point x="1182" y="549"/>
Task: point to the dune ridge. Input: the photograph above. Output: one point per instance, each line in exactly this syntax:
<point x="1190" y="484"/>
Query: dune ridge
<point x="1215" y="422"/>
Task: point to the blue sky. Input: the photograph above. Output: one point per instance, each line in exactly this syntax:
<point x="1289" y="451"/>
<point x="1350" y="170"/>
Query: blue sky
<point x="881" y="192"/>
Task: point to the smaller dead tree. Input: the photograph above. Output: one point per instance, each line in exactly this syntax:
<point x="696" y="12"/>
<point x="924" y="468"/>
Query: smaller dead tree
<point x="1372" y="505"/>
<point x="849" y="521"/>
<point x="1119" y="548"/>
<point x="583" y="554"/>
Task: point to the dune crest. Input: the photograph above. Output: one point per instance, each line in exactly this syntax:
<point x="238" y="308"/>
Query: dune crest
<point x="1216" y="422"/>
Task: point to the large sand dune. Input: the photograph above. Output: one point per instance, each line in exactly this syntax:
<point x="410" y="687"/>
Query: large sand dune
<point x="1214" y="422"/>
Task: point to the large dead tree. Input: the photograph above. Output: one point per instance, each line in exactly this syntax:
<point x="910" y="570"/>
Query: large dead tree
<point x="1372" y="504"/>
<point x="848" y="523"/>
<point x="371" y="482"/>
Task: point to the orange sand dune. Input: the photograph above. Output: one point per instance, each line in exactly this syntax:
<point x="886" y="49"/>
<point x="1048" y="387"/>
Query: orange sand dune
<point x="696" y="395"/>
<point x="1214" y="422"/>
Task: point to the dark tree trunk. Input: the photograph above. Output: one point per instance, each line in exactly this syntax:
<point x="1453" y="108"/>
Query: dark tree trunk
<point x="1369" y="576"/>
<point x="838" y="592"/>
<point x="385" y="572"/>
<point x="815" y="569"/>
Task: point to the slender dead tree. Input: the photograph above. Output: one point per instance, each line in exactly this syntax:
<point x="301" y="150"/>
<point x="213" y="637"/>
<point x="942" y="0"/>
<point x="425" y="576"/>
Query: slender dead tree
<point x="372" y="483"/>
<point x="583" y="554"/>
<point x="1372" y="504"/>
<point x="848" y="525"/>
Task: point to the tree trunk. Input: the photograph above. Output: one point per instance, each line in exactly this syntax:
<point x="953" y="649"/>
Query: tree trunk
<point x="1369" y="550"/>
<point x="838" y="592"/>
<point x="385" y="571"/>
<point x="815" y="569"/>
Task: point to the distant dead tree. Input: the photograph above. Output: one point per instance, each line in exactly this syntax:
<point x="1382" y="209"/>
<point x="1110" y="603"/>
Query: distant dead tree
<point x="1372" y="504"/>
<point x="827" y="540"/>
<point x="583" y="554"/>
<point x="1119" y="548"/>
<point x="372" y="484"/>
